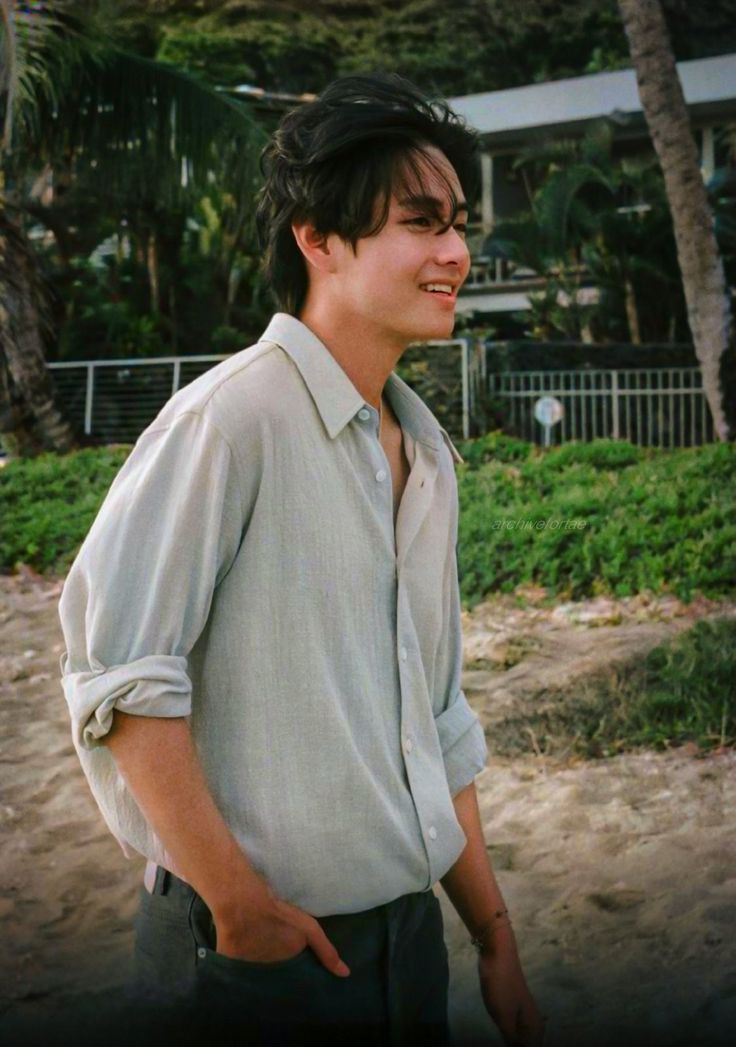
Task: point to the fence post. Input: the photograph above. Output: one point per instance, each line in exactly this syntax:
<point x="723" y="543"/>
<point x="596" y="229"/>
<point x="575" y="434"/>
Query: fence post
<point x="614" y="403"/>
<point x="176" y="376"/>
<point x="466" y="389"/>
<point x="88" y="399"/>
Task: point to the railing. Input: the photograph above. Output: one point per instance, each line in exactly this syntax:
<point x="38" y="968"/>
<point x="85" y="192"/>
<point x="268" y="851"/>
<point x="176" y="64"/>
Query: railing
<point x="494" y="272"/>
<point x="654" y="407"/>
<point x="112" y="401"/>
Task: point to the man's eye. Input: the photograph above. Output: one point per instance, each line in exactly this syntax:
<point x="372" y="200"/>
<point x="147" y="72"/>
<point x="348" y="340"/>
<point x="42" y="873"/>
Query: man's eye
<point x="419" y="220"/>
<point x="462" y="228"/>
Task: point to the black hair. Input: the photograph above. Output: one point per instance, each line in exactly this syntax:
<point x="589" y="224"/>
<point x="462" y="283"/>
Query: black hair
<point x="332" y="160"/>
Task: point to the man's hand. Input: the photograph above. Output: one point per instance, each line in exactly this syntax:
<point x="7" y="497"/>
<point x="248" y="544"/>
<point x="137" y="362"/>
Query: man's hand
<point x="276" y="931"/>
<point x="507" y="997"/>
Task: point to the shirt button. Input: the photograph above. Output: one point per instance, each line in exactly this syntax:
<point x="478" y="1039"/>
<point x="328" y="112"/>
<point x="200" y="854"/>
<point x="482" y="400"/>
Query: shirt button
<point x="364" y="414"/>
<point x="408" y="745"/>
<point x="404" y="654"/>
<point x="432" y="833"/>
<point x="381" y="475"/>
<point x="201" y="953"/>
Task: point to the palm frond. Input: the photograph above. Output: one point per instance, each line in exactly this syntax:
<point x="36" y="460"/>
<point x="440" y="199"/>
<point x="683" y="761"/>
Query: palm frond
<point x="559" y="198"/>
<point x="138" y="125"/>
<point x="44" y="45"/>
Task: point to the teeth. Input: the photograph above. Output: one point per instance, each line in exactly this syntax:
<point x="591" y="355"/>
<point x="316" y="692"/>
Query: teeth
<point x="446" y="288"/>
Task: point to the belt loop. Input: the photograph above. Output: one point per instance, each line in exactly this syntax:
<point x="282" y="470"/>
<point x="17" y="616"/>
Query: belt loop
<point x="161" y="882"/>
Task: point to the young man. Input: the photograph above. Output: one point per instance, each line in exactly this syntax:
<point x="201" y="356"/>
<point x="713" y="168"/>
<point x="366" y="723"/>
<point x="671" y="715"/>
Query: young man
<point x="263" y="625"/>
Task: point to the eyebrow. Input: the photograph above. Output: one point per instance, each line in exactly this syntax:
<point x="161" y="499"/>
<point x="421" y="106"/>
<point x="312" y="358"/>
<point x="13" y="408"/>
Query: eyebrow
<point x="431" y="203"/>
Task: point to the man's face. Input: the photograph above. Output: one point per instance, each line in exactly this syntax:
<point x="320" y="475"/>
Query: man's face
<point x="387" y="283"/>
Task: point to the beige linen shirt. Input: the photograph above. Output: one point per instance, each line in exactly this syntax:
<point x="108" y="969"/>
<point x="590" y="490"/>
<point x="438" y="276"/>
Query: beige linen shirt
<point x="244" y="571"/>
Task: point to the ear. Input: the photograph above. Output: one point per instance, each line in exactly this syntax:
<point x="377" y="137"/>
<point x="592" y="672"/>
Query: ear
<point x="318" y="248"/>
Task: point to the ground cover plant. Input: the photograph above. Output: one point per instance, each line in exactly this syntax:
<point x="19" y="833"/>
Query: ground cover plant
<point x="48" y="503"/>
<point x="604" y="517"/>
<point x="582" y="519"/>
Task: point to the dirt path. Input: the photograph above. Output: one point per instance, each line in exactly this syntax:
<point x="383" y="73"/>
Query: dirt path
<point x="620" y="874"/>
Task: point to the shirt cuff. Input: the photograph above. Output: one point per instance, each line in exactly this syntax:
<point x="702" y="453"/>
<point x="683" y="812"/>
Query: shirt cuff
<point x="157" y="685"/>
<point x="463" y="743"/>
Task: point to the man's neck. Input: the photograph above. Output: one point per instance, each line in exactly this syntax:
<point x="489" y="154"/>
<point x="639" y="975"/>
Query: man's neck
<point x="364" y="355"/>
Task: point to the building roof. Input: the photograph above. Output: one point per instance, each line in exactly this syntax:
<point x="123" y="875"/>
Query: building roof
<point x="709" y="85"/>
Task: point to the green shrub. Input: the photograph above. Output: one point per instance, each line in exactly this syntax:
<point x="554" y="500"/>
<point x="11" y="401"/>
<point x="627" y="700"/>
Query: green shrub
<point x="47" y="505"/>
<point x="599" y="454"/>
<point x="664" y="522"/>
<point x="494" y="447"/>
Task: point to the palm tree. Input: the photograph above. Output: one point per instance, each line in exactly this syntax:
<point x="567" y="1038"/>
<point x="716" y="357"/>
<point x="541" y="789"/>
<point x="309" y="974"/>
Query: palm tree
<point x="701" y="265"/>
<point x="73" y="103"/>
<point x="577" y="229"/>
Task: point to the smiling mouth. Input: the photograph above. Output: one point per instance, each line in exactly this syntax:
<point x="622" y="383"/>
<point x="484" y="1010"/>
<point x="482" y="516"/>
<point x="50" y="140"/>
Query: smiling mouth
<point x="440" y="290"/>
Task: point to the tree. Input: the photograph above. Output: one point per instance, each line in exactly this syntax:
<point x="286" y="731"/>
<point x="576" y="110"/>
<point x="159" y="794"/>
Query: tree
<point x="73" y="102"/>
<point x="701" y="266"/>
<point x="593" y="220"/>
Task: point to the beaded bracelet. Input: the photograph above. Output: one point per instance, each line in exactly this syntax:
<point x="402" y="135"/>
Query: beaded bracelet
<point x="478" y="940"/>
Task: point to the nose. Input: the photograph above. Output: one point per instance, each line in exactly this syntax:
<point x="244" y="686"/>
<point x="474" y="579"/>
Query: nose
<point x="451" y="249"/>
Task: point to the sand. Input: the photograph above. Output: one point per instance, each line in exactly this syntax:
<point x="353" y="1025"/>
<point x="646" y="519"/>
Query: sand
<point x="620" y="873"/>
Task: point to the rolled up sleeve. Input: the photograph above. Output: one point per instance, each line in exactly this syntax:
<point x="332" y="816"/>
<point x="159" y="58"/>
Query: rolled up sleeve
<point x="463" y="743"/>
<point x="138" y="594"/>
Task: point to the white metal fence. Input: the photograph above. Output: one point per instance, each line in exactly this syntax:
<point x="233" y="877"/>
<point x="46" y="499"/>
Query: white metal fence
<point x="654" y="407"/>
<point x="112" y="401"/>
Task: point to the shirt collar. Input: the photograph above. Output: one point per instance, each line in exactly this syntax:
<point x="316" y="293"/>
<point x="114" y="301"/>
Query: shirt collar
<point x="335" y="396"/>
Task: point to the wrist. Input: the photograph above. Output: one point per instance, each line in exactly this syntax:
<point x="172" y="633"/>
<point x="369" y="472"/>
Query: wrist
<point x="251" y="895"/>
<point x="492" y="932"/>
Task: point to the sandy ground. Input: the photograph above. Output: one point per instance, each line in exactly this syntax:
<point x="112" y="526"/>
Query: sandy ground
<point x="620" y="874"/>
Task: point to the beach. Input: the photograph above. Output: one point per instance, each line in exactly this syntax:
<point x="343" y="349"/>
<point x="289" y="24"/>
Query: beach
<point x="619" y="873"/>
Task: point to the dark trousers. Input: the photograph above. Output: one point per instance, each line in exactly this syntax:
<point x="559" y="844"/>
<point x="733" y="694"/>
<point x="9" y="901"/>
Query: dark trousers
<point x="395" y="996"/>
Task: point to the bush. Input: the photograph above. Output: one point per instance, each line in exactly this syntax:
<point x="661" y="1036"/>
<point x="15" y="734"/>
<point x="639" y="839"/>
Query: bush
<point x="664" y="522"/>
<point x="494" y="447"/>
<point x="598" y="454"/>
<point x="48" y="505"/>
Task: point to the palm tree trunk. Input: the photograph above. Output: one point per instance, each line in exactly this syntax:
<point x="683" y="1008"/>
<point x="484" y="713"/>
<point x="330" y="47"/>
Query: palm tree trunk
<point x="701" y="266"/>
<point x="30" y="421"/>
<point x="632" y="312"/>
<point x="152" y="267"/>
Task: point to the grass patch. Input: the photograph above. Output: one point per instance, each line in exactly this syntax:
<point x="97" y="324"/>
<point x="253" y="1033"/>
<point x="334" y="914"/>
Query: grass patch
<point x="683" y="691"/>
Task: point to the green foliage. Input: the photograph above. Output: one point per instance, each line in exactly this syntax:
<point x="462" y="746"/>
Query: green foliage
<point x="581" y="519"/>
<point x="689" y="686"/>
<point x="495" y="446"/>
<point x="604" y="517"/>
<point x="47" y="505"/>
<point x="226" y="339"/>
<point x="598" y="219"/>
<point x="476" y="45"/>
<point x="600" y="454"/>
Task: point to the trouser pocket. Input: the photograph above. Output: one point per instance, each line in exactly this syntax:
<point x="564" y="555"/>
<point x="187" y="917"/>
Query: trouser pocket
<point x="249" y="1001"/>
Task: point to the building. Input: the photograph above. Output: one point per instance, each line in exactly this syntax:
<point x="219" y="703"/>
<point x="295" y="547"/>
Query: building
<point x="513" y="119"/>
